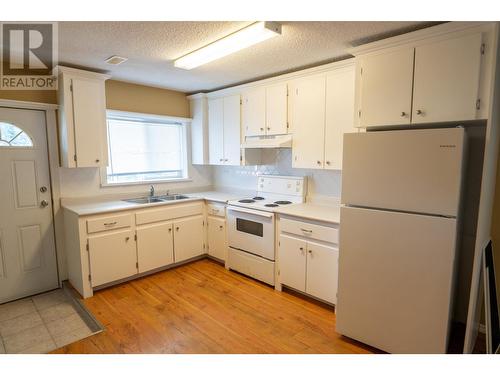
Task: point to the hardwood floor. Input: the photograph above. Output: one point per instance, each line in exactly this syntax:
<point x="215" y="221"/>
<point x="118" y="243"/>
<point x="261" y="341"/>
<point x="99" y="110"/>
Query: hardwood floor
<point x="203" y="308"/>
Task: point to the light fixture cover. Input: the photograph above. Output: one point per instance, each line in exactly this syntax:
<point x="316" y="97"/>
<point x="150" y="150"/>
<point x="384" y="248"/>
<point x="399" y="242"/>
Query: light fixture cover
<point x="246" y="37"/>
<point x="115" y="60"/>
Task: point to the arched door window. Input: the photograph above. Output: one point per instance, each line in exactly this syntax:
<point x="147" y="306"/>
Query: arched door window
<point x="12" y="136"/>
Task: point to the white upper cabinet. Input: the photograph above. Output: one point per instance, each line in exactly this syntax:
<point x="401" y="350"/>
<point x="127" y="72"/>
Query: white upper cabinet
<point x="224" y="134"/>
<point x="253" y="112"/>
<point x="277" y="109"/>
<point x="339" y="110"/>
<point x="216" y="131"/>
<point x="432" y="79"/>
<point x="446" y="82"/>
<point x="232" y="130"/>
<point x="264" y="110"/>
<point x="82" y="118"/>
<point x="386" y="88"/>
<point x="307" y="120"/>
<point x="199" y="130"/>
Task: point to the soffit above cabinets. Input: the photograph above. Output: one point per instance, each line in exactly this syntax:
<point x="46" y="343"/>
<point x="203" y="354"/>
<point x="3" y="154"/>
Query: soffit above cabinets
<point x="152" y="46"/>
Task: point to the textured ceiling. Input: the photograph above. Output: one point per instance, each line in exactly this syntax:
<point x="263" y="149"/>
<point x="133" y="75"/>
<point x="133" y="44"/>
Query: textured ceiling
<point x="151" y="48"/>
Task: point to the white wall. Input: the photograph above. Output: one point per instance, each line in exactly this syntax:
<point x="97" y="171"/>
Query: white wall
<point x="320" y="182"/>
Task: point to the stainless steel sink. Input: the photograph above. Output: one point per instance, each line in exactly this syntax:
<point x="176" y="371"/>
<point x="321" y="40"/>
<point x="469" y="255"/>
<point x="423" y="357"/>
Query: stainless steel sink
<point x="156" y="199"/>
<point x="144" y="200"/>
<point x="173" y="197"/>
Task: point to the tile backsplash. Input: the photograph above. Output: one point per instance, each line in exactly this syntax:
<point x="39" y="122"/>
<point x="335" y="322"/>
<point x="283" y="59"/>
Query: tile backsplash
<point x="278" y="162"/>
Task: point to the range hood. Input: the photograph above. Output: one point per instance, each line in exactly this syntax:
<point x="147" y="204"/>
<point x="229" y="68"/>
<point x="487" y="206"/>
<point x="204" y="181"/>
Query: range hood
<point x="277" y="141"/>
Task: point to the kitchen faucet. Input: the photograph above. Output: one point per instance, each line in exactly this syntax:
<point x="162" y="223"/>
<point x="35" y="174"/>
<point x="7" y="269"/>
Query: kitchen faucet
<point x="151" y="191"/>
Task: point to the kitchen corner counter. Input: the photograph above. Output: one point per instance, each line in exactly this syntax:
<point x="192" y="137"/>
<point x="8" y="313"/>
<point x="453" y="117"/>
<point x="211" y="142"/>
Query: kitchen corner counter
<point x="312" y="211"/>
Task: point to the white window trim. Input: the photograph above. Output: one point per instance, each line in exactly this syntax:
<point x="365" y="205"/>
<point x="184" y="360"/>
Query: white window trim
<point x="151" y="117"/>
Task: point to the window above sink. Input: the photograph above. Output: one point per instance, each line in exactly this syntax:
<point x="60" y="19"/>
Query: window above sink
<point x="144" y="148"/>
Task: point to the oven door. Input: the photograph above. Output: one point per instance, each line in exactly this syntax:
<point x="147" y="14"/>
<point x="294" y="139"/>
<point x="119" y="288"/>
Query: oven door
<point x="251" y="231"/>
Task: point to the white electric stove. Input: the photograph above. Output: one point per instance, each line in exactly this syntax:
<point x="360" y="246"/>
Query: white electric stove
<point x="251" y="225"/>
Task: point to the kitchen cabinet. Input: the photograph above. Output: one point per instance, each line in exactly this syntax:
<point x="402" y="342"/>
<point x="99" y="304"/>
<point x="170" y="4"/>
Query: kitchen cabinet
<point x="277" y="109"/>
<point x="434" y="81"/>
<point x="253" y="111"/>
<point x="82" y="118"/>
<point x="307" y="120"/>
<point x="339" y="114"/>
<point x="216" y="131"/>
<point x="112" y="256"/>
<point x="155" y="246"/>
<point x="188" y="238"/>
<point x="264" y="110"/>
<point x="446" y="82"/>
<point x="199" y="129"/>
<point x="224" y="122"/>
<point x="216" y="233"/>
<point x="308" y="258"/>
<point x="321" y="111"/>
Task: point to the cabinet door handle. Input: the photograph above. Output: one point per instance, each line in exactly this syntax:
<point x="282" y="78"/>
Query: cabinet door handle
<point x="268" y="128"/>
<point x="310" y="251"/>
<point x="177" y="229"/>
<point x="420" y="112"/>
<point x="169" y="230"/>
<point x="319" y="163"/>
<point x="126" y="239"/>
<point x="403" y="114"/>
<point x="301" y="250"/>
<point x="327" y="163"/>
<point x="97" y="160"/>
<point x="221" y="227"/>
<point x="261" y="129"/>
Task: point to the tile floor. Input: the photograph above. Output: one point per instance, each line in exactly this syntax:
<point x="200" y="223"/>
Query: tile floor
<point x="40" y="324"/>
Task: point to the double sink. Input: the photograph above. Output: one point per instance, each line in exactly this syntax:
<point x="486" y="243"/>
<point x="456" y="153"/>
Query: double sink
<point x="157" y="199"/>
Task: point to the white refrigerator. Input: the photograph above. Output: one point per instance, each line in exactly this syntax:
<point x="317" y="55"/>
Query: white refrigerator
<point x="398" y="236"/>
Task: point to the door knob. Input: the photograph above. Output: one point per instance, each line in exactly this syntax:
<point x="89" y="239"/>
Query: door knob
<point x="44" y="203"/>
<point x="43" y="189"/>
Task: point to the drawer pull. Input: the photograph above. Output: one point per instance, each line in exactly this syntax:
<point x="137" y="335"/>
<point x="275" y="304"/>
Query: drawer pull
<point x="306" y="230"/>
<point x="216" y="210"/>
<point x="112" y="223"/>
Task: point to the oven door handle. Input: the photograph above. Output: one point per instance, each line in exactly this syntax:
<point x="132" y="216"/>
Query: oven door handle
<point x="251" y="212"/>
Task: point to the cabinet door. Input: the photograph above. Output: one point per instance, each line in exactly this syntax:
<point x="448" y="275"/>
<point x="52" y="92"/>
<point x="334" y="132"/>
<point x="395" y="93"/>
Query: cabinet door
<point x="216" y="131"/>
<point x="199" y="131"/>
<point x="188" y="238"/>
<point x="113" y="256"/>
<point x="446" y="80"/>
<point x="292" y="262"/>
<point x="386" y="88"/>
<point x="155" y="246"/>
<point x="339" y="110"/>
<point x="253" y="112"/>
<point x="307" y="115"/>
<point x="322" y="271"/>
<point x="217" y="237"/>
<point x="89" y="117"/>
<point x="276" y="109"/>
<point x="232" y="132"/>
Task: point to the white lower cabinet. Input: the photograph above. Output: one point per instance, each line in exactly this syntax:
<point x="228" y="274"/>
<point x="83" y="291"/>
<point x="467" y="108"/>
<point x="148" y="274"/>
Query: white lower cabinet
<point x="155" y="246"/>
<point x="188" y="237"/>
<point x="216" y="233"/>
<point x="112" y="256"/>
<point x="308" y="266"/>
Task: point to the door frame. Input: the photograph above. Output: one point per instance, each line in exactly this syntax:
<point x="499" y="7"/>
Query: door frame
<point x="53" y="157"/>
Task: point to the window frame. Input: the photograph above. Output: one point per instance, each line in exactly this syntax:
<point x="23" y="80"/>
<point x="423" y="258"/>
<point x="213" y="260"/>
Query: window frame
<point x="137" y="116"/>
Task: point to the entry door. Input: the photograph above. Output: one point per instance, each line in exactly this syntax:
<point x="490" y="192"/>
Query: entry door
<point x="27" y="251"/>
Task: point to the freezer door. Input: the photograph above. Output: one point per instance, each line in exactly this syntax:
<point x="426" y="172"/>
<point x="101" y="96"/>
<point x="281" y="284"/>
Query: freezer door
<point x="404" y="170"/>
<point x="395" y="279"/>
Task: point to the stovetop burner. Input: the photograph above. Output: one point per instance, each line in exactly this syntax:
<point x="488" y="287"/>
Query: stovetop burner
<point x="283" y="202"/>
<point x="271" y="205"/>
<point x="246" y="201"/>
<point x="258" y="198"/>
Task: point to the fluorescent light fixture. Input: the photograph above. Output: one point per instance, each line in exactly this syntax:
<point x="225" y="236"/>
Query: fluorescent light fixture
<point x="250" y="35"/>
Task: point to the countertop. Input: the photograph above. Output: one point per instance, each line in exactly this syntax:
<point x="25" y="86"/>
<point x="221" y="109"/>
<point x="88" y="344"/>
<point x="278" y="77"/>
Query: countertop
<point x="313" y="211"/>
<point x="92" y="206"/>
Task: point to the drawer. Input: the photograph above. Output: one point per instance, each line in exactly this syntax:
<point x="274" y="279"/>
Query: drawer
<point x="152" y="215"/>
<point x="308" y="230"/>
<point x="103" y="223"/>
<point x="216" y="209"/>
<point x="251" y="265"/>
